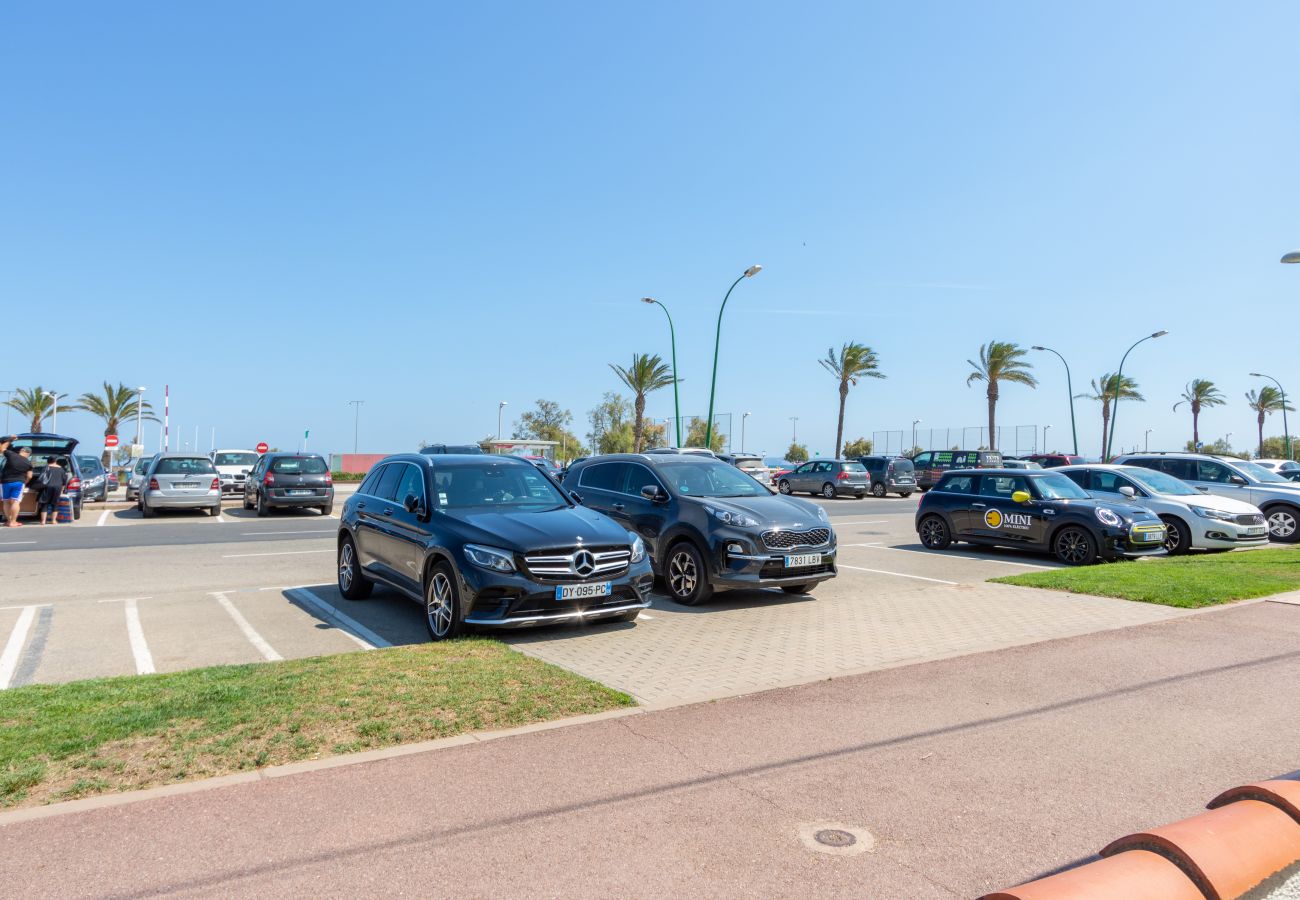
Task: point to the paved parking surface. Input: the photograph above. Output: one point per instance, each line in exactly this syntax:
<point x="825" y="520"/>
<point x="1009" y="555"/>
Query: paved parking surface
<point x="181" y="591"/>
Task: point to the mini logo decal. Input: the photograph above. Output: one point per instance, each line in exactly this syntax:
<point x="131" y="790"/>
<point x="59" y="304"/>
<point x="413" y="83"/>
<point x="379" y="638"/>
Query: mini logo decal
<point x="995" y="519"/>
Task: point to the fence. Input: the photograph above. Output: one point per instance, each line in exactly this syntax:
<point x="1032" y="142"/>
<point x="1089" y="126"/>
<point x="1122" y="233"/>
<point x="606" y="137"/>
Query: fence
<point x="1012" y="439"/>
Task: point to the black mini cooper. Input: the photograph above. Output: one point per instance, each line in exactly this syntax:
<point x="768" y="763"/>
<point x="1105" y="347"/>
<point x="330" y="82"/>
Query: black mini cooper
<point x="1043" y="511"/>
<point x="488" y="541"/>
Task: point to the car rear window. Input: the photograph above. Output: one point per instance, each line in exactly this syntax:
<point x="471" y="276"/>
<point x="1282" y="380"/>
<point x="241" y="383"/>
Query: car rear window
<point x="188" y="465"/>
<point x="902" y="467"/>
<point x="854" y="467"/>
<point x="299" y="465"/>
<point x="90" y="465"/>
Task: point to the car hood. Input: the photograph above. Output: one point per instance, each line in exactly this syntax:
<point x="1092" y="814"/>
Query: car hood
<point x="524" y="531"/>
<point x="772" y="511"/>
<point x="1129" y="509"/>
<point x="1211" y="501"/>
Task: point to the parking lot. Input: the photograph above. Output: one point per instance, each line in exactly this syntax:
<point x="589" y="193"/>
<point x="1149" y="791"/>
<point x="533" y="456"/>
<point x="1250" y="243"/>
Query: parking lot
<point x="116" y="594"/>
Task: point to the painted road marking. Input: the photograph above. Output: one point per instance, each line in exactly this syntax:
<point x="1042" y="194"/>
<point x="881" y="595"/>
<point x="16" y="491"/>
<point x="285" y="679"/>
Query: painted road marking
<point x="896" y="574"/>
<point x="363" y="636"/>
<point x="280" y="553"/>
<point x="14" y="543"/>
<point x="103" y="517"/>
<point x="315" y="531"/>
<point x="874" y="522"/>
<point x="14" y="646"/>
<point x="135" y="634"/>
<point x="948" y="555"/>
<point x="249" y="631"/>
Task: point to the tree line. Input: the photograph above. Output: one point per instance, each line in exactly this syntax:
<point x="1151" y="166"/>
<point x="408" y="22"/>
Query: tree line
<point x="114" y="405"/>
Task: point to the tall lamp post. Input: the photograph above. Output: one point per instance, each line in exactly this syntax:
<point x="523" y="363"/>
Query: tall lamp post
<point x="54" y="412"/>
<point x="356" y="424"/>
<point x="672" y="336"/>
<point x="139" y="407"/>
<point x="1119" y="383"/>
<point x="1146" y="441"/>
<point x="1046" y="446"/>
<point x="742" y="431"/>
<point x="717" y="341"/>
<point x="915" y="422"/>
<point x="794" y="429"/>
<point x="1069" y="386"/>
<point x="500" y="406"/>
<point x="1286" y="431"/>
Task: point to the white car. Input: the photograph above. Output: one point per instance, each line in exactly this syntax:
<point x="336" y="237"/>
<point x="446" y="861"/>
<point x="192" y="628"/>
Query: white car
<point x="233" y="467"/>
<point x="1278" y="465"/>
<point x="1193" y="520"/>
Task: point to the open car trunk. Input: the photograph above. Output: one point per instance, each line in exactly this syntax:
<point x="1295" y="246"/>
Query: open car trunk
<point x="44" y="448"/>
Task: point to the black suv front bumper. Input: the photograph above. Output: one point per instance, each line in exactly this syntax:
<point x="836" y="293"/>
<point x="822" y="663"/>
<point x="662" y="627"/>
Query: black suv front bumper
<point x="513" y="600"/>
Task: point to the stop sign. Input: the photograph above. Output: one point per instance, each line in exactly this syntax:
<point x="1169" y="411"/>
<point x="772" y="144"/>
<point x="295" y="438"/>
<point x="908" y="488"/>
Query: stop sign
<point x="110" y="440"/>
<point x="263" y="447"/>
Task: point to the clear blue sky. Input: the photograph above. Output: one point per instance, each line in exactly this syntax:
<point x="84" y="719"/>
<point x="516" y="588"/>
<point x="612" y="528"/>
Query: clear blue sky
<point x="277" y="208"/>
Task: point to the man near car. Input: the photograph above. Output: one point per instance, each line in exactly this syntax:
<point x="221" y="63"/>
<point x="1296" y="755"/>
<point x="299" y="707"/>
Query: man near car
<point x="14" y="477"/>
<point x="52" y="481"/>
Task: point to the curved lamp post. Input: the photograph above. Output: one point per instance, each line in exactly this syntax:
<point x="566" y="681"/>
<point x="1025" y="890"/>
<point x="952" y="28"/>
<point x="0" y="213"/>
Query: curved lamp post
<point x="1286" y="432"/>
<point x="672" y="334"/>
<point x="1069" y="386"/>
<point x="717" y="340"/>
<point x="1292" y="257"/>
<point x="1119" y="382"/>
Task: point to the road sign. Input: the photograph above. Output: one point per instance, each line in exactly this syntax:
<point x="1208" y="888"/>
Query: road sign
<point x="262" y="447"/>
<point x="110" y="440"/>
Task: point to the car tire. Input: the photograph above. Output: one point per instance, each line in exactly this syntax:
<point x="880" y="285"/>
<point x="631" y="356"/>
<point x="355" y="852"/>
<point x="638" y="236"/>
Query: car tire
<point x="262" y="509"/>
<point x="442" y="604"/>
<point x="878" y="489"/>
<point x="146" y="510"/>
<point x="353" y="585"/>
<point x="1178" y="539"/>
<point x="247" y="505"/>
<point x="935" y="533"/>
<point x="76" y="512"/>
<point x="905" y="494"/>
<point x="1283" y="524"/>
<point x="784" y="487"/>
<point x="796" y="588"/>
<point x="327" y="509"/>
<point x="1074" y="547"/>
<point x="685" y="575"/>
<point x="215" y="511"/>
<point x="828" y="491"/>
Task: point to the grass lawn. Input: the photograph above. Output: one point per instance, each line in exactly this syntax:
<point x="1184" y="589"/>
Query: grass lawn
<point x="1186" y="581"/>
<point x="63" y="741"/>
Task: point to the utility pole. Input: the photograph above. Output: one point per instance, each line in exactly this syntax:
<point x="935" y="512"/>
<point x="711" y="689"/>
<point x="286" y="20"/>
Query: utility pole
<point x="794" y="429"/>
<point x="356" y="423"/>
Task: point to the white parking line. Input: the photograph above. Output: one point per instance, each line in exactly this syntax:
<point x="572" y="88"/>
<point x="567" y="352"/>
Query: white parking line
<point x="896" y="574"/>
<point x="249" y="631"/>
<point x="363" y="636"/>
<point x="14" y="646"/>
<point x="873" y="522"/>
<point x="103" y="517"/>
<point x="280" y="553"/>
<point x="135" y="633"/>
<point x="315" y="531"/>
<point x="14" y="543"/>
<point x="949" y="555"/>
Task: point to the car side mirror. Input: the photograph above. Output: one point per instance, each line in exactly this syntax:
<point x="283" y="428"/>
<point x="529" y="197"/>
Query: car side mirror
<point x="1128" y="491"/>
<point x="411" y="503"/>
<point x="652" y="493"/>
<point x="1236" y="479"/>
<point x="577" y="498"/>
<point x="1202" y="488"/>
<point x="1020" y="497"/>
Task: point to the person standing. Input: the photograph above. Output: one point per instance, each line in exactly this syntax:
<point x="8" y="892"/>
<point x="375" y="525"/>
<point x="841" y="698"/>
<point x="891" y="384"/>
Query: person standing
<point x="17" y="472"/>
<point x="51" y="482"/>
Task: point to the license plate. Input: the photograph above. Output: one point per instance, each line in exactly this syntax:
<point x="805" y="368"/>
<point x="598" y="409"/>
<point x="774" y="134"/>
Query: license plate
<point x="1151" y="536"/>
<point x="1256" y="530"/>
<point x="803" y="560"/>
<point x="582" y="591"/>
<point x="185" y="484"/>
<point x="299" y="493"/>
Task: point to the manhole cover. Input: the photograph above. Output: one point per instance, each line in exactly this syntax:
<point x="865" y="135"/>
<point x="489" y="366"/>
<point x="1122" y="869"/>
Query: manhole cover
<point x="836" y="838"/>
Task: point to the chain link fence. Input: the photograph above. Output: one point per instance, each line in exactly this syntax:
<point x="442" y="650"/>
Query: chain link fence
<point x="1014" y="440"/>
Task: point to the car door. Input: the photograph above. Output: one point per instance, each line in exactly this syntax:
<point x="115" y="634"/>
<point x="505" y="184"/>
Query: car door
<point x="639" y="515"/>
<point x="601" y="487"/>
<point x="1218" y="479"/>
<point x="958" y="495"/>
<point x="800" y="477"/>
<point x="996" y="516"/>
<point x="407" y="533"/>
<point x="371" y="526"/>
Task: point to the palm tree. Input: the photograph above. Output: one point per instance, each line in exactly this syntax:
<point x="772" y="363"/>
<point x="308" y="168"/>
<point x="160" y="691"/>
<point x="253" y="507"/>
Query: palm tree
<point x="37" y="403"/>
<point x="1199" y="394"/>
<point x="115" y="405"/>
<point x="1103" y="389"/>
<point x="647" y="373"/>
<point x="1268" y="400"/>
<point x="999" y="361"/>
<point x="853" y="361"/>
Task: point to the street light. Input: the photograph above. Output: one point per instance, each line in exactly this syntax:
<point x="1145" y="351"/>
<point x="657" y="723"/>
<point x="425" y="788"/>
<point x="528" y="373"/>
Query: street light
<point x="54" y="415"/>
<point x="1292" y="257"/>
<point x="794" y="429"/>
<point x="1286" y="432"/>
<point x="717" y="340"/>
<point x="1046" y="446"/>
<point x="1070" y="388"/>
<point x="139" y="407"/>
<point x="672" y="335"/>
<point x="1146" y="441"/>
<point x="915" y="422"/>
<point x="356" y="423"/>
<point x="500" y="406"/>
<point x="742" y="431"/>
<point x="1119" y="382"/>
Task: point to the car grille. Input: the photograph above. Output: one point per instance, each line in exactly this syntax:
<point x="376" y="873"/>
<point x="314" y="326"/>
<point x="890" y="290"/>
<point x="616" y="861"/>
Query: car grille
<point x="785" y="540"/>
<point x="1250" y="519"/>
<point x="778" y="570"/>
<point x="579" y="563"/>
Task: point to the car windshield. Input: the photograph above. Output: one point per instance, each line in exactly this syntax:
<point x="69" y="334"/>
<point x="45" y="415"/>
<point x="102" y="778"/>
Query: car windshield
<point x="1057" y="487"/>
<point x="711" y="479"/>
<point x="299" y="465"/>
<point x="90" y="465"/>
<point x="188" y="465"/>
<point x="496" y="485"/>
<point x="235" y="459"/>
<point x="749" y="464"/>
<point x="1160" y="482"/>
<point x="1259" y="473"/>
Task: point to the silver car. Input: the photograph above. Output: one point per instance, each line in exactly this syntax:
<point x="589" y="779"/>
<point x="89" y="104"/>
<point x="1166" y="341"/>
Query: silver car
<point x="138" y="468"/>
<point x="180" y="481"/>
<point x="828" y="477"/>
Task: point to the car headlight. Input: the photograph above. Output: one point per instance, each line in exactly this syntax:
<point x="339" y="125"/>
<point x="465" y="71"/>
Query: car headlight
<point x="1108" y="517"/>
<point x="490" y="558"/>
<point x="1213" y="514"/>
<point x="736" y="520"/>
<point x="638" y="547"/>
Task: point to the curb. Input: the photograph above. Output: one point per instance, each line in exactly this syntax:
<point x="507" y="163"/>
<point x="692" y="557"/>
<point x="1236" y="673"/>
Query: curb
<point x="285" y="770"/>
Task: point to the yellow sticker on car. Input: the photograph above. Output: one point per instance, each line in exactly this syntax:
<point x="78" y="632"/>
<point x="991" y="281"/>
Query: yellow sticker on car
<point x="993" y="519"/>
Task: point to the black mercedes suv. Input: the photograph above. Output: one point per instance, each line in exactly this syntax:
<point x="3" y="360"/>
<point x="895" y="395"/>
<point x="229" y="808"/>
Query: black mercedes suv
<point x="707" y="524"/>
<point x="482" y="540"/>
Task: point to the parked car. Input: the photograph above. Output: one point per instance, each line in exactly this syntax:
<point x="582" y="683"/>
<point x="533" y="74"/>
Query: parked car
<point x="931" y="465"/>
<point x="828" y="477"/>
<point x="1055" y="460"/>
<point x="94" y="480"/>
<point x="1041" y="511"/>
<point x="750" y="464"/>
<point x="46" y="446"/>
<point x="461" y="449"/>
<point x="487" y="541"/>
<point x="1290" y="474"/>
<point x="233" y="467"/>
<point x="289" y="480"/>
<point x="546" y="465"/>
<point x="1236" y="479"/>
<point x="697" y="451"/>
<point x="113" y="482"/>
<point x="707" y="525"/>
<point x="179" y="481"/>
<point x="1020" y="464"/>
<point x="1278" y="465"/>
<point x="890" y="475"/>
<point x="133" y="481"/>
<point x="1193" y="520"/>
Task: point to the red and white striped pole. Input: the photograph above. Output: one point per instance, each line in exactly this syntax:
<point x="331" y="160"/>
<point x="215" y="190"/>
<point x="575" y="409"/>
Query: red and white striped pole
<point x="167" y="395"/>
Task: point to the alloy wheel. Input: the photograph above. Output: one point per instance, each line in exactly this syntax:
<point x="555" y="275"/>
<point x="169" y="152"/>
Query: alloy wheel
<point x="345" y="566"/>
<point x="828" y="491"/>
<point x="784" y="487"/>
<point x="682" y="575"/>
<point x="1072" y="547"/>
<point x="1281" y="524"/>
<point x="439" y="604"/>
<point x="932" y="532"/>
